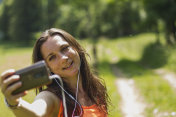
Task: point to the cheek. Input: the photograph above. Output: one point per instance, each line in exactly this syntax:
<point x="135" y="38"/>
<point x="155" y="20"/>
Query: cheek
<point x="75" y="53"/>
<point x="52" y="67"/>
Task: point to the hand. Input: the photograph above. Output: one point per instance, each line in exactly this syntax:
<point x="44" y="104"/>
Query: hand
<point x="9" y="83"/>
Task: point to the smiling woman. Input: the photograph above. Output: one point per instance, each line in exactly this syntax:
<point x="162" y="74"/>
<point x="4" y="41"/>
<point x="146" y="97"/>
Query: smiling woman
<point x="62" y="58"/>
<point x="65" y="57"/>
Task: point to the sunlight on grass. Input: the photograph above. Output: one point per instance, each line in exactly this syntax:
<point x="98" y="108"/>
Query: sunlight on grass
<point x="106" y="73"/>
<point x="126" y="53"/>
<point x="15" y="58"/>
<point x="157" y="92"/>
<point x="126" y="47"/>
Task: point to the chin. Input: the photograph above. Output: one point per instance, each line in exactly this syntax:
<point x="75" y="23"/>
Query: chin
<point x="74" y="73"/>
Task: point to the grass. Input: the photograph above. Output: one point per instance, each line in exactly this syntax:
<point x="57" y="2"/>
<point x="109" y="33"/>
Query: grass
<point x="19" y="57"/>
<point x="135" y="56"/>
<point x="171" y="64"/>
<point x="16" y="58"/>
<point x="158" y="93"/>
<point x="105" y="72"/>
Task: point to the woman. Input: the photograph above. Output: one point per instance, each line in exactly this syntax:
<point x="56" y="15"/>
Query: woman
<point x="66" y="58"/>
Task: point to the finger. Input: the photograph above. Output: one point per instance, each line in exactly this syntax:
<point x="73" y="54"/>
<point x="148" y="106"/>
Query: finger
<point x="20" y="95"/>
<point x="14" y="99"/>
<point x="5" y="74"/>
<point x="10" y="89"/>
<point x="9" y="81"/>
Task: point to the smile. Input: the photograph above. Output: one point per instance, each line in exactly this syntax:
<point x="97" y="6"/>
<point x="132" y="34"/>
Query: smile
<point x="68" y="66"/>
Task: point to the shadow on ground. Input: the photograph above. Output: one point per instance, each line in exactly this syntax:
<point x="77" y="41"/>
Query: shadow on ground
<point x="154" y="56"/>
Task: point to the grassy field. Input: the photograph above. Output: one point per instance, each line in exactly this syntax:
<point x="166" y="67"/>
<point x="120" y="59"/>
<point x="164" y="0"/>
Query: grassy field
<point x="12" y="57"/>
<point x="136" y="56"/>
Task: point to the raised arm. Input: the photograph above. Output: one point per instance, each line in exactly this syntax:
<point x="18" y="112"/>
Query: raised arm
<point x="46" y="104"/>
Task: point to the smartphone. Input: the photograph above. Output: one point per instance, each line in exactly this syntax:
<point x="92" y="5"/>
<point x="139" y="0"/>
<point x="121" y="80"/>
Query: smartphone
<point x="33" y="76"/>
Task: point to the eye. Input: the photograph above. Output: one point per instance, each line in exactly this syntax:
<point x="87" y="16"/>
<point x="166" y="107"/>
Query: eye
<point x="51" y="57"/>
<point x="65" y="48"/>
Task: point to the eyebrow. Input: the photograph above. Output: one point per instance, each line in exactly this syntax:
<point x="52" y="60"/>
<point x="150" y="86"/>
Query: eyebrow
<point x="48" y="55"/>
<point x="65" y="44"/>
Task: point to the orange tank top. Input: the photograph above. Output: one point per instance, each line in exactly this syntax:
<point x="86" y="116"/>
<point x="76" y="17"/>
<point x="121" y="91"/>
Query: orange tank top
<point x="89" y="111"/>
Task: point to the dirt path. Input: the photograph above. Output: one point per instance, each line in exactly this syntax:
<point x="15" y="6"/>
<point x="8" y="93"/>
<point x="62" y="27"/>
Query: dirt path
<point x="171" y="79"/>
<point x="168" y="76"/>
<point x="131" y="101"/>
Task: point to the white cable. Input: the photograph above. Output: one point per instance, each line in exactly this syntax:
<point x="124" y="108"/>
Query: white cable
<point x="56" y="76"/>
<point x="63" y="95"/>
<point x="76" y="93"/>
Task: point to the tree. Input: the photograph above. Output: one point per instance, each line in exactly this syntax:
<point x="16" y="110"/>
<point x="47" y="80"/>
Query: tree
<point x="5" y="21"/>
<point x="164" y="10"/>
<point x="52" y="12"/>
<point x="26" y="19"/>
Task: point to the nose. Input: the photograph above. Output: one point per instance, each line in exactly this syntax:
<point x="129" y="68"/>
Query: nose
<point x="63" y="57"/>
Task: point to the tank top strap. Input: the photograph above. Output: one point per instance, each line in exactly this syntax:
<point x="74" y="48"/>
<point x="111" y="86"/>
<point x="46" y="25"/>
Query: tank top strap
<point x="61" y="109"/>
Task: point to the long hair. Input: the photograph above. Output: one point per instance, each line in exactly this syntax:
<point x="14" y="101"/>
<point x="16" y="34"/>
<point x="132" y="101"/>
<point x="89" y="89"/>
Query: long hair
<point x="93" y="86"/>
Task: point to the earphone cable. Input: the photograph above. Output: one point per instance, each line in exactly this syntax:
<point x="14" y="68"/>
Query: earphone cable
<point x="76" y="93"/>
<point x="69" y="94"/>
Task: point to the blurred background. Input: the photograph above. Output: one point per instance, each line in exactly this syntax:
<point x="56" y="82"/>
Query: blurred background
<point x="133" y="40"/>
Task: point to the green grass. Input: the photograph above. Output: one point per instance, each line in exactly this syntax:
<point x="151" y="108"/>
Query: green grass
<point x="105" y="72"/>
<point x="16" y="58"/>
<point x="127" y="47"/>
<point x="135" y="56"/>
<point x="19" y="57"/>
<point x="171" y="64"/>
<point x="157" y="92"/>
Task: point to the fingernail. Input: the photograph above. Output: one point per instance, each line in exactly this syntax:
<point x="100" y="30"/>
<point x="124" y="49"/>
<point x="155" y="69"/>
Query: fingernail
<point x="17" y="76"/>
<point x="12" y="70"/>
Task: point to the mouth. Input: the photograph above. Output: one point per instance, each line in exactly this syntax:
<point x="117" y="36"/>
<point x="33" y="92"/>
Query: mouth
<point x="69" y="66"/>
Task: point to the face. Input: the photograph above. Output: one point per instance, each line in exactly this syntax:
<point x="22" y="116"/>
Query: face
<point x="61" y="58"/>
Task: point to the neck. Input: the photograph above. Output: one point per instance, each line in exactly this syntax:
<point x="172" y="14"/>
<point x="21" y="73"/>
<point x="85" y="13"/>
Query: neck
<point x="73" y="83"/>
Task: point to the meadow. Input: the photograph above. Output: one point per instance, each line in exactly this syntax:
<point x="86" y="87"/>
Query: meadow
<point x="136" y="56"/>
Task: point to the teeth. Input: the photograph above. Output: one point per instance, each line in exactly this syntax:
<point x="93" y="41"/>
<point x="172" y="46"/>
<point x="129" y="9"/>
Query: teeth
<point x="68" y="66"/>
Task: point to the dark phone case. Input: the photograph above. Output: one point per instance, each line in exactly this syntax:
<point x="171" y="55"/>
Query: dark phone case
<point x="33" y="76"/>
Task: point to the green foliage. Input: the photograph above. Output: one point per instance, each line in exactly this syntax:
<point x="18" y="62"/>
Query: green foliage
<point x="52" y="12"/>
<point x="165" y="10"/>
<point x="154" y="56"/>
<point x="5" y="21"/>
<point x="26" y="19"/>
<point x="21" y="19"/>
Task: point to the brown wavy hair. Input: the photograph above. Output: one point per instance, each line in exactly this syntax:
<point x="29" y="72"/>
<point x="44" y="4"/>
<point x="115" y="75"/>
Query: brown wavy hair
<point x="93" y="86"/>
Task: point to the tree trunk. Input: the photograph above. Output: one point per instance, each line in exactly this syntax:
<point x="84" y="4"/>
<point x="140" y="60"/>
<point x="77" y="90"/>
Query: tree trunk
<point x="170" y="33"/>
<point x="157" y="35"/>
<point x="95" y="64"/>
<point x="173" y="32"/>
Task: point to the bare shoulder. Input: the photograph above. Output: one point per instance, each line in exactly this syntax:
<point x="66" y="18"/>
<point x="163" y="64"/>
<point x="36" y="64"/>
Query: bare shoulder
<point x="47" y="95"/>
<point x="48" y="101"/>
